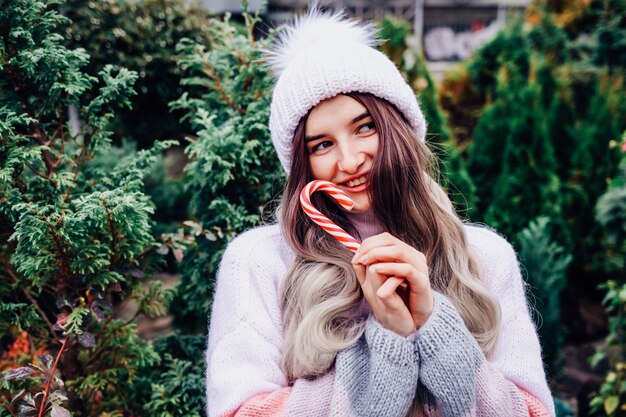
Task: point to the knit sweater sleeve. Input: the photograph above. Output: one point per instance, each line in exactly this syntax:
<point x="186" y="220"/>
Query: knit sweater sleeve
<point x="377" y="376"/>
<point x="456" y="378"/>
<point x="244" y="376"/>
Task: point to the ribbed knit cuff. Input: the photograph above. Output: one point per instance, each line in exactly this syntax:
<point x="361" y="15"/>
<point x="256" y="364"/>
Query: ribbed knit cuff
<point x="398" y="350"/>
<point x="450" y="360"/>
<point x="444" y="327"/>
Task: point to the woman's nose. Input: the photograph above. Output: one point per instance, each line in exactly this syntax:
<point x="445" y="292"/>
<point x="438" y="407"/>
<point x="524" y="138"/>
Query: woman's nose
<point x="350" y="160"/>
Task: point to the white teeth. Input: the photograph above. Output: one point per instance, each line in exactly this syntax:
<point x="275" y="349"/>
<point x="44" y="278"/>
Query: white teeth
<point x="356" y="182"/>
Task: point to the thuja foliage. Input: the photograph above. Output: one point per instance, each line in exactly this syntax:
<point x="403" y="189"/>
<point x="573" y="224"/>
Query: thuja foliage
<point x="527" y="185"/>
<point x="550" y="107"/>
<point x="610" y="212"/>
<point x="395" y="34"/>
<point x="175" y="387"/>
<point x="611" y="206"/>
<point x="140" y="36"/>
<point x="75" y="235"/>
<point x="234" y="171"/>
<point x="597" y="27"/>
<point x="576" y="109"/>
<point x="610" y="400"/>
<point x="545" y="264"/>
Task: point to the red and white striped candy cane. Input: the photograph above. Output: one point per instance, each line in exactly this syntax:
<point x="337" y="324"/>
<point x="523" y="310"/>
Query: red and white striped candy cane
<point x="324" y="222"/>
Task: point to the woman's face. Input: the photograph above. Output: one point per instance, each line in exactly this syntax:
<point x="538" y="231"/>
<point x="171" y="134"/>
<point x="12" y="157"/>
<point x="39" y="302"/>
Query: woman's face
<point x="341" y="142"/>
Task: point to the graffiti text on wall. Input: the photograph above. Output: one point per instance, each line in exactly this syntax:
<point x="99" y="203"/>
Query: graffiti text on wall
<point x="443" y="43"/>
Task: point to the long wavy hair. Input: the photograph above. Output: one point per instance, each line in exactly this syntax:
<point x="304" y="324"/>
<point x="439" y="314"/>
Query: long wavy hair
<point x="320" y="293"/>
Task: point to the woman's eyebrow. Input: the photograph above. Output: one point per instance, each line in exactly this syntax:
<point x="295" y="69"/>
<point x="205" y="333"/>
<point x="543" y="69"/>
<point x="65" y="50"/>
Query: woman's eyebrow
<point x="361" y="116"/>
<point x="312" y="138"/>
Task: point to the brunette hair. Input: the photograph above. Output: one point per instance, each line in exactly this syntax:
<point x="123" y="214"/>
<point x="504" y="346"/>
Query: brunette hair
<point x="320" y="291"/>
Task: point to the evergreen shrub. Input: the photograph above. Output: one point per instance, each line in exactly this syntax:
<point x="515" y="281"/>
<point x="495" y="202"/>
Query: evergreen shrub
<point x="611" y="206"/>
<point x="75" y="228"/>
<point x="610" y="400"/>
<point x="545" y="264"/>
<point x="175" y="387"/>
<point x="233" y="172"/>
<point x="539" y="147"/>
<point x="141" y="36"/>
<point x="611" y="214"/>
<point x="412" y="64"/>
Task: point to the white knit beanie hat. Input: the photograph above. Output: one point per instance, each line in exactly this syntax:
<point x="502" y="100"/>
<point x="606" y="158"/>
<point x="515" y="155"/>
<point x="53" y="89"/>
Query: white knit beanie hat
<point x="322" y="55"/>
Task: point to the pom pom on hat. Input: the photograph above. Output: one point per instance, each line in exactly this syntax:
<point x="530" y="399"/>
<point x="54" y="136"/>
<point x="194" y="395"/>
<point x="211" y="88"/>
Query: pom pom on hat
<point x="317" y="27"/>
<point x="322" y="55"/>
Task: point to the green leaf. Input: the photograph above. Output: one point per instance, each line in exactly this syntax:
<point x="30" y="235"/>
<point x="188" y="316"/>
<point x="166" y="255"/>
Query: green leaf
<point x="610" y="404"/>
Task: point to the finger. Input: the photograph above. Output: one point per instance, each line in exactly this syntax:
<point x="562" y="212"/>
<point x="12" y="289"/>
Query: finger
<point x="373" y="278"/>
<point x="370" y="282"/>
<point x="387" y="292"/>
<point x="394" y="253"/>
<point x="360" y="271"/>
<point x="383" y="239"/>
<point x="416" y="279"/>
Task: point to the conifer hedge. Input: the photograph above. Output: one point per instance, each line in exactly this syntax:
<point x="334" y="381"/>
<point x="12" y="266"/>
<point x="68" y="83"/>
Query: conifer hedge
<point x="75" y="233"/>
<point x="551" y="94"/>
<point x="396" y="34"/>
<point x="610" y="211"/>
<point x="141" y="36"/>
<point x="233" y="174"/>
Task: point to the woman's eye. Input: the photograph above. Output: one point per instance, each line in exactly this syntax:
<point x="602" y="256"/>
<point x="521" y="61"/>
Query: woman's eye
<point x="322" y="145"/>
<point x="366" y="128"/>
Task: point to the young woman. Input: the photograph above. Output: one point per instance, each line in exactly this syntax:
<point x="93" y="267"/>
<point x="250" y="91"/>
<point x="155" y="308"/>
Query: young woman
<point x="429" y="317"/>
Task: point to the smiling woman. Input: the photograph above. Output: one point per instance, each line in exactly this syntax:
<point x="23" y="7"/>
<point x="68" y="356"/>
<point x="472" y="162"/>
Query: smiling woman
<point x="344" y="151"/>
<point x="300" y="327"/>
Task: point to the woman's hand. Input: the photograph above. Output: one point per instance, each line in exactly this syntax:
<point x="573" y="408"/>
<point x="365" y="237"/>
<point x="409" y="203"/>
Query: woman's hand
<point x="386" y="304"/>
<point x="382" y="263"/>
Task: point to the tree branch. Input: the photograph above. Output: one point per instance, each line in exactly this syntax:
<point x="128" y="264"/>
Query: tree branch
<point x="39" y="174"/>
<point x="210" y="72"/>
<point x="104" y="325"/>
<point x="59" y="130"/>
<point x="40" y="311"/>
<point x="246" y="16"/>
<point x="54" y="367"/>
<point x="66" y="267"/>
<point x="38" y="135"/>
<point x="80" y="160"/>
<point x="9" y="269"/>
<point x="7" y="406"/>
<point x="113" y="245"/>
<point x="51" y="162"/>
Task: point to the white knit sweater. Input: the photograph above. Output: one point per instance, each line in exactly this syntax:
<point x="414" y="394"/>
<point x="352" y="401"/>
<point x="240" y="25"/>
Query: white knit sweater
<point x="244" y="376"/>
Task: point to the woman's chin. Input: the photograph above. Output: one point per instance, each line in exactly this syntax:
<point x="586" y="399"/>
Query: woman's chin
<point x="361" y="204"/>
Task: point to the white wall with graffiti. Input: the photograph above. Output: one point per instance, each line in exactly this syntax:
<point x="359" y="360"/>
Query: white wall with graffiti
<point x="444" y="43"/>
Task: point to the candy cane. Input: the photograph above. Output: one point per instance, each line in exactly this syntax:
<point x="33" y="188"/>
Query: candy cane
<point x="324" y="222"/>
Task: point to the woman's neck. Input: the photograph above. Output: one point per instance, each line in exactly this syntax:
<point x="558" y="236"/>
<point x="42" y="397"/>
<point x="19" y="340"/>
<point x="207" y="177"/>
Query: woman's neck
<point x="366" y="223"/>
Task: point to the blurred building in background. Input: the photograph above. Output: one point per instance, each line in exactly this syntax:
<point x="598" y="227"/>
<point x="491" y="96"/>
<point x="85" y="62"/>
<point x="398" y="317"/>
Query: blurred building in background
<point x="446" y="30"/>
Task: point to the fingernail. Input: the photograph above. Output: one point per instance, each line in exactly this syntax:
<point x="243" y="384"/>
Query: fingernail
<point x="363" y="259"/>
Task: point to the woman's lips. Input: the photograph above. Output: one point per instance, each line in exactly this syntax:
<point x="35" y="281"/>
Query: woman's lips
<point x="359" y="188"/>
